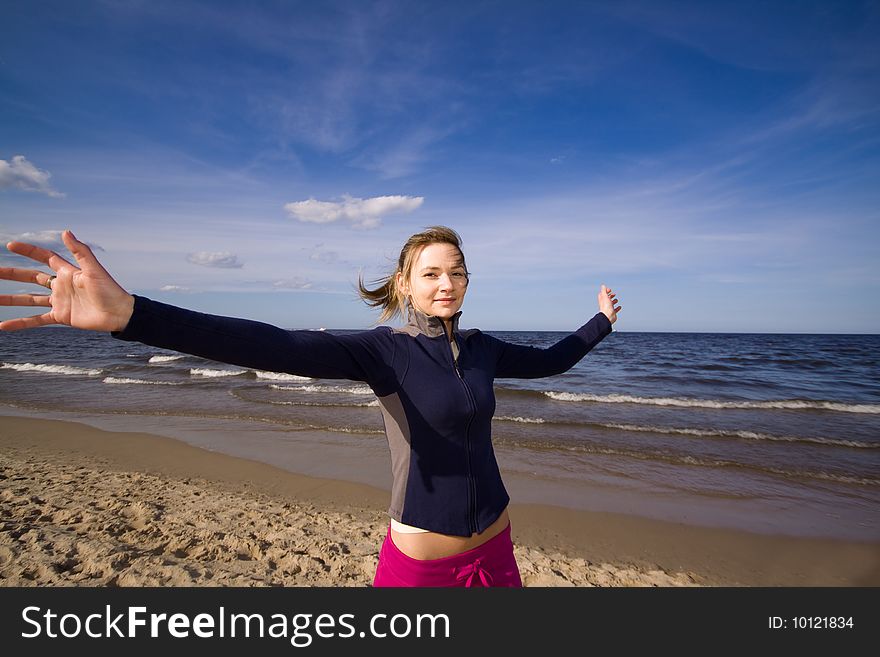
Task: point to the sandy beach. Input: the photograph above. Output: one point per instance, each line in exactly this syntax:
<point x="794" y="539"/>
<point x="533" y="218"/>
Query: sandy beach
<point x="80" y="506"/>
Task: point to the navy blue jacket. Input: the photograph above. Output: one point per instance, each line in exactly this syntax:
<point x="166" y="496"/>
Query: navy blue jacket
<point x="437" y="411"/>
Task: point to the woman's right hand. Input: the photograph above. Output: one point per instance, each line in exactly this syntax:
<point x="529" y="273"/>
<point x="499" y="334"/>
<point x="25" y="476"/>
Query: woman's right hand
<point x="84" y="297"/>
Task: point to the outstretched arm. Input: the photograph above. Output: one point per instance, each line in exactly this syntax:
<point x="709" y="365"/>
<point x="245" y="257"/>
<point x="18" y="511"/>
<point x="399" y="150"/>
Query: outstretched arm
<point x="519" y="361"/>
<point x="362" y="356"/>
<point x="87" y="297"/>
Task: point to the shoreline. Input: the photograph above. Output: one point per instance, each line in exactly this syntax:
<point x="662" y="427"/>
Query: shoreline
<point x="356" y="458"/>
<point x="84" y="506"/>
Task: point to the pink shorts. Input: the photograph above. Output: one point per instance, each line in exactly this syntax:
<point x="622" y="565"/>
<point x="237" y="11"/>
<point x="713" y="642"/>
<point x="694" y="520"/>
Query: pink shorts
<point x="489" y="564"/>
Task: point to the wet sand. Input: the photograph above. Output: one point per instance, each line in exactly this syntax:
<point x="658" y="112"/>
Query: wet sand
<point x="85" y="507"/>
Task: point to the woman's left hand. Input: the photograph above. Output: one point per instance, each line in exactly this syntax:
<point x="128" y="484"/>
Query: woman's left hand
<point x="606" y="304"/>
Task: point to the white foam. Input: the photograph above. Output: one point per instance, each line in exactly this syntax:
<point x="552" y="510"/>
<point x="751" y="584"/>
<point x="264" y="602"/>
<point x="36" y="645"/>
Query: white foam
<point x="827" y="476"/>
<point x="113" y="379"/>
<point x="163" y="359"/>
<point x="196" y="371"/>
<point x="280" y="376"/>
<point x="526" y="420"/>
<point x="788" y="404"/>
<point x="353" y="390"/>
<point x="377" y="432"/>
<point x="748" y="435"/>
<point x="51" y="369"/>
<point x="375" y="402"/>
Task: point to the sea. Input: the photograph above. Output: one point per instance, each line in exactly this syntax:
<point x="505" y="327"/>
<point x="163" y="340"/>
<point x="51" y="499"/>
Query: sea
<point x="773" y="433"/>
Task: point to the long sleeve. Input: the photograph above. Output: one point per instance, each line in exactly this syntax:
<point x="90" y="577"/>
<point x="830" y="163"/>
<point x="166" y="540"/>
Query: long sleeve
<point x="364" y="356"/>
<point x="521" y="362"/>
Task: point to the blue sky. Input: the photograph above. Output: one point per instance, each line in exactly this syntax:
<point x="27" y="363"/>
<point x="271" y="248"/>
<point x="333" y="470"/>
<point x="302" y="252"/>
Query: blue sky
<point x="715" y="163"/>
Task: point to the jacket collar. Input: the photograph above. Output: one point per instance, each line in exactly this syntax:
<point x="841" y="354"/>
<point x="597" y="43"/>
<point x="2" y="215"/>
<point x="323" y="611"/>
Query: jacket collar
<point x="430" y="325"/>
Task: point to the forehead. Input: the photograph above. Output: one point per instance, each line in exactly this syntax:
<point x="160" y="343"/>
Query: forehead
<point x="438" y="255"/>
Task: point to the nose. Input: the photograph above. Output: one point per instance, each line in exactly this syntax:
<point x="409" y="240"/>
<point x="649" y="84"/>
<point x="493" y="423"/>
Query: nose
<point x="445" y="282"/>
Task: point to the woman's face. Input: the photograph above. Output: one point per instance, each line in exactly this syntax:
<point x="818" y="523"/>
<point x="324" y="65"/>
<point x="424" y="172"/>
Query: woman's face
<point x="438" y="281"/>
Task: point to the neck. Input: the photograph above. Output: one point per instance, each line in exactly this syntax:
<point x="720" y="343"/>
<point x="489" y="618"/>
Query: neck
<point x="432" y="325"/>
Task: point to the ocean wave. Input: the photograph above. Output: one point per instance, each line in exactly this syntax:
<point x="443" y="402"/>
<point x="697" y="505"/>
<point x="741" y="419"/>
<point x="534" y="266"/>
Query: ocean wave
<point x="113" y="379"/>
<point x="746" y="435"/>
<point x="827" y="476"/>
<point x="688" y="460"/>
<point x="207" y="372"/>
<point x="316" y="404"/>
<point x="526" y="420"/>
<point x="51" y="369"/>
<point x="375" y="402"/>
<point x="784" y="404"/>
<point x="352" y="390"/>
<point x="280" y="376"/>
<point x="376" y="432"/>
<point x="164" y="359"/>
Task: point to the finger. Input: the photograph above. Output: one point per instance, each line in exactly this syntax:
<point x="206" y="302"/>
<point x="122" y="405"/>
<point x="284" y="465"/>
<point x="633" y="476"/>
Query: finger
<point x="24" y="275"/>
<point x="26" y="322"/>
<point x="81" y="251"/>
<point x="38" y="253"/>
<point x="25" y="300"/>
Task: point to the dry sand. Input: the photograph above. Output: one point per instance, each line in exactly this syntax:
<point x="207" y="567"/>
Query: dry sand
<point x="84" y="507"/>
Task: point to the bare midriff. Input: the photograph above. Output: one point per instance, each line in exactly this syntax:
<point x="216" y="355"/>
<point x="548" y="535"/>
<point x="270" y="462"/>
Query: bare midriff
<point x="430" y="545"/>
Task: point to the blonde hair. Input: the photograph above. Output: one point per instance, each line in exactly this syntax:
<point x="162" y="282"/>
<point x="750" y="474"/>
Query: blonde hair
<point x="386" y="295"/>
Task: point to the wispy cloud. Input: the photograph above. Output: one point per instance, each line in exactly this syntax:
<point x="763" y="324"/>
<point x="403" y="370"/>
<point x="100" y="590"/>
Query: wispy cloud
<point x="222" y="259"/>
<point x="295" y="283"/>
<point x="19" y="173"/>
<point x="174" y="288"/>
<point x="47" y="239"/>
<point x="290" y="283"/>
<point x="360" y="212"/>
<point x="407" y="153"/>
<point x="321" y="254"/>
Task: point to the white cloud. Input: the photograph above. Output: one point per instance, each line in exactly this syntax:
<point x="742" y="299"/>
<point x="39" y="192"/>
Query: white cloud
<point x="21" y="174"/>
<point x="173" y="288"/>
<point x="223" y="259"/>
<point x="47" y="239"/>
<point x="361" y="212"/>
<point x="321" y="255"/>
<point x="295" y="283"/>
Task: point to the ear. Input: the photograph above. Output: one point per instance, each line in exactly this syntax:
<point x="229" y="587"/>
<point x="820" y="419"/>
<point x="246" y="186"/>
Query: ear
<point x="402" y="285"/>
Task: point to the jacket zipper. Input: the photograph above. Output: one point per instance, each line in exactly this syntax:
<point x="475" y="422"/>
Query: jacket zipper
<point x="473" y="488"/>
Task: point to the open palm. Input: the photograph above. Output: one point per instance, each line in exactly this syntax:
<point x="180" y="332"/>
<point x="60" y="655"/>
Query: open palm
<point x="607" y="299"/>
<point x="84" y="297"/>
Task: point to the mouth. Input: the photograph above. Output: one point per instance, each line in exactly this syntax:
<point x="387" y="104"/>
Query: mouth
<point x="444" y="300"/>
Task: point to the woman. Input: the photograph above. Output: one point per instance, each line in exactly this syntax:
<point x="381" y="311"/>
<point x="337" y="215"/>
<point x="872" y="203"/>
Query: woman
<point x="449" y="522"/>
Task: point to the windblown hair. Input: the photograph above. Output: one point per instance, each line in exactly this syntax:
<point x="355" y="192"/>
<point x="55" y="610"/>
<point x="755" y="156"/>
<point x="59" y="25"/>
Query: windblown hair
<point x="386" y="295"/>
